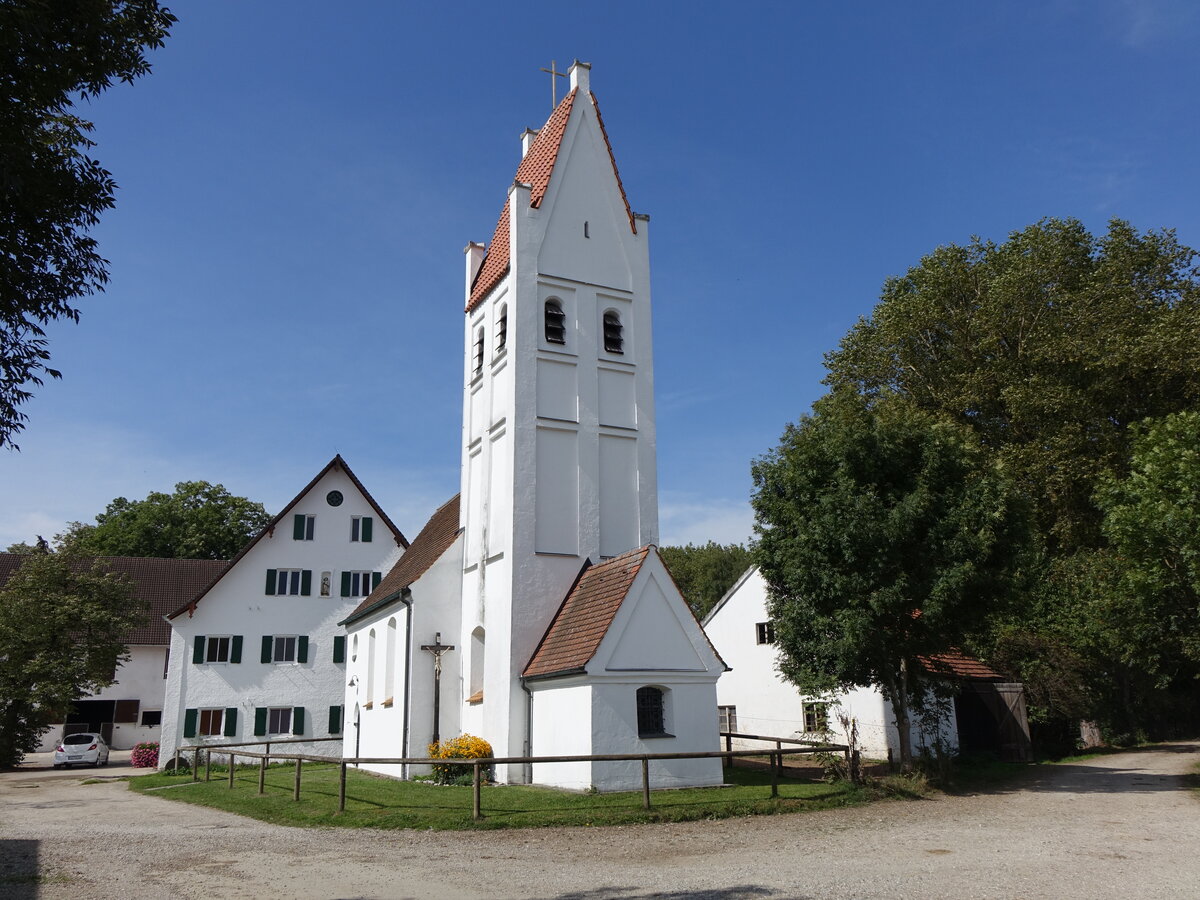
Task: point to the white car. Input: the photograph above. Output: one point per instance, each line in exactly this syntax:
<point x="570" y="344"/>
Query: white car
<point x="83" y="749"/>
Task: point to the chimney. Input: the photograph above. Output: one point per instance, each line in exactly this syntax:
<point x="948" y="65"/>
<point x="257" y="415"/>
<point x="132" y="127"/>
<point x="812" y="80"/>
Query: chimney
<point x="581" y="76"/>
<point x="474" y="253"/>
<point x="528" y="136"/>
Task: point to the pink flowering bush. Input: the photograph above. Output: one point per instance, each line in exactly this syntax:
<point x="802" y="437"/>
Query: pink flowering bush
<point x="145" y="755"/>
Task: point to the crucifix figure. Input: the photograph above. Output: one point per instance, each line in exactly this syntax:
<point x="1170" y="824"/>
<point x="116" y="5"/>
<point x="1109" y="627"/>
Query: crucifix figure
<point x="553" y="73"/>
<point x="437" y="648"/>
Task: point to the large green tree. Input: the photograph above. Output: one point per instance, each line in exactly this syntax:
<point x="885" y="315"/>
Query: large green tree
<point x="63" y="627"/>
<point x="884" y="536"/>
<point x="704" y="573"/>
<point x="54" y="53"/>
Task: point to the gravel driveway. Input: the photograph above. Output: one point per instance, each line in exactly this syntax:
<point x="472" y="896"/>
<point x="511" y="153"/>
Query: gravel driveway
<point x="1121" y="825"/>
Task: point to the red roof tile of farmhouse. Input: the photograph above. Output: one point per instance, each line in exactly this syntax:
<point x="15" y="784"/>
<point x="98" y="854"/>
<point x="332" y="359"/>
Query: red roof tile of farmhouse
<point x="535" y="170"/>
<point x="585" y="615"/>
<point x="163" y="583"/>
<point x="435" y="538"/>
<point x="957" y="664"/>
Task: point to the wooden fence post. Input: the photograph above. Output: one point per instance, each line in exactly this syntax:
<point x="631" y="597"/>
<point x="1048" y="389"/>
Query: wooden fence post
<point x="342" y="789"/>
<point x="196" y="765"/>
<point x="729" y="749"/>
<point x="208" y="766"/>
<point x="262" y="776"/>
<point x="774" y="776"/>
<point x="231" y="758"/>
<point x="296" y="789"/>
<point x="176" y="760"/>
<point x="645" y="783"/>
<point x="476" y="811"/>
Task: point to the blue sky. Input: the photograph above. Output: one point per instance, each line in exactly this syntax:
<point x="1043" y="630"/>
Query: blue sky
<point x="297" y="182"/>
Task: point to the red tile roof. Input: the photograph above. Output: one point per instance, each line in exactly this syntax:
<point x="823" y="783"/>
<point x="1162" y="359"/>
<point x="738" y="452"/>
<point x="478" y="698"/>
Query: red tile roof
<point x="163" y="583"/>
<point x="535" y="170"/>
<point x="435" y="538"/>
<point x="957" y="664"/>
<point x="585" y="615"/>
<point x="336" y="462"/>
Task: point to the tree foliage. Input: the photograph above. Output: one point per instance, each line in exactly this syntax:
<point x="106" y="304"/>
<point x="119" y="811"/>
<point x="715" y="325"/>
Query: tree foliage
<point x="703" y="574"/>
<point x="884" y="537"/>
<point x="51" y="191"/>
<point x="63" y="628"/>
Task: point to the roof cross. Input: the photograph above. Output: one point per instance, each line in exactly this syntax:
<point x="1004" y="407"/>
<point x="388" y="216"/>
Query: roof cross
<point x="553" y="73"/>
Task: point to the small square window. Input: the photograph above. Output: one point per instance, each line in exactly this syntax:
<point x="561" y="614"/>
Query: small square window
<point x="360" y="584"/>
<point x="304" y="528"/>
<point x="765" y="632"/>
<point x="288" y="581"/>
<point x="816" y="718"/>
<point x="211" y="721"/>
<point x="151" y="718"/>
<point x="279" y="720"/>
<point x="285" y="649"/>
<point x="217" y="650"/>
<point x="727" y="716"/>
<point x="360" y="529"/>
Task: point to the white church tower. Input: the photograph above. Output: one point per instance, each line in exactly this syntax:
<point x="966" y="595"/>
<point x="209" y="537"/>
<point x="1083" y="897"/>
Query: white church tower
<point x="558" y="457"/>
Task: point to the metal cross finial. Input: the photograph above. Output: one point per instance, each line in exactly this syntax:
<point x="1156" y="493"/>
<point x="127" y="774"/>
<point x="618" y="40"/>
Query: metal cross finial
<point x="554" y="73"/>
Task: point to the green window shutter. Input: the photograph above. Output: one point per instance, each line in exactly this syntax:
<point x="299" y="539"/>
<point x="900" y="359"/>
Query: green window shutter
<point x="302" y="648"/>
<point x="306" y="583"/>
<point x="235" y="652"/>
<point x="198" y="649"/>
<point x="376" y="577"/>
<point x="272" y="577"/>
<point x="345" y="584"/>
<point x="298" y="720"/>
<point x="189" y="722"/>
<point x="335" y="720"/>
<point x="365" y="529"/>
<point x="267" y="646"/>
<point x="260" y="721"/>
<point x="339" y="648"/>
<point x="231" y="722"/>
<point x="298" y="523"/>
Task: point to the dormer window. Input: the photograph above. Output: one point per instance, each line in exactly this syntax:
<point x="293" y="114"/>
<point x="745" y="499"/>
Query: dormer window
<point x="614" y="342"/>
<point x="556" y="323"/>
<point x="478" y="352"/>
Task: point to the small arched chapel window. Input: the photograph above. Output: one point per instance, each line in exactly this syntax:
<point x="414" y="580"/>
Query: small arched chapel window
<point x="614" y="340"/>
<point x="556" y="323"/>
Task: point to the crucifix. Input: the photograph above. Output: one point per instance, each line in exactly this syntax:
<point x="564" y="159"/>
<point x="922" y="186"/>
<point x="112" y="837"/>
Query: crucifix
<point x="553" y="73"/>
<point x="437" y="648"/>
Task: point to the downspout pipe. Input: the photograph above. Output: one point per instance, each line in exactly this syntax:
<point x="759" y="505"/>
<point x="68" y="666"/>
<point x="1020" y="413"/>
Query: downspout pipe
<point x="528" y="729"/>
<point x="406" y="598"/>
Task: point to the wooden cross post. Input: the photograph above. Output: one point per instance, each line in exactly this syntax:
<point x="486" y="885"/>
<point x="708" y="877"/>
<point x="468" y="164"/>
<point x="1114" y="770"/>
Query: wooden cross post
<point x="437" y="648"/>
<point x="554" y="73"/>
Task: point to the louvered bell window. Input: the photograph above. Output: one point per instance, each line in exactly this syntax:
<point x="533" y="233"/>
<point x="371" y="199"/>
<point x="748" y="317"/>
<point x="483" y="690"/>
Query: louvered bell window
<point x="556" y="323"/>
<point x="614" y="342"/>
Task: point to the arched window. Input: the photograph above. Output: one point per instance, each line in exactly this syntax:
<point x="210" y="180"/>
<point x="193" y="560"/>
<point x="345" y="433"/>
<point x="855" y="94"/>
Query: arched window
<point x="556" y="322"/>
<point x="502" y="328"/>
<point x="651" y="712"/>
<point x="478" y="370"/>
<point x="371" y="667"/>
<point x="354" y="649"/>
<point x="389" y="682"/>
<point x="477" y="656"/>
<point x="614" y="342"/>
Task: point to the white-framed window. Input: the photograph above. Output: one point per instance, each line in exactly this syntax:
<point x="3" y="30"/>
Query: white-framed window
<point x="284" y="649"/>
<point x="555" y="322"/>
<point x="816" y="717"/>
<point x="357" y="584"/>
<point x="303" y="527"/>
<point x="361" y="529"/>
<point x="288" y="581"/>
<point x="279" y="720"/>
<point x="614" y="339"/>
<point x="211" y="723"/>
<point x="765" y="632"/>
<point x="216" y="648"/>
<point x="151" y="718"/>
<point x="652" y="712"/>
<point x="727" y="718"/>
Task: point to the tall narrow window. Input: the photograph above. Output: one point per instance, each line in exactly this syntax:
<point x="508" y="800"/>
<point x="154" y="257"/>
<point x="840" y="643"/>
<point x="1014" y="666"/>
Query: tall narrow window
<point x="389" y="670"/>
<point x="502" y="328"/>
<point x="370" y="667"/>
<point x="651" y="712"/>
<point x="614" y="342"/>
<point x="556" y="323"/>
<point x="478" y="352"/>
<point x="477" y="650"/>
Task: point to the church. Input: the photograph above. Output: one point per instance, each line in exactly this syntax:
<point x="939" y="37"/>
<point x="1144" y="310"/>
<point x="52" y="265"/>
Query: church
<point x="533" y="610"/>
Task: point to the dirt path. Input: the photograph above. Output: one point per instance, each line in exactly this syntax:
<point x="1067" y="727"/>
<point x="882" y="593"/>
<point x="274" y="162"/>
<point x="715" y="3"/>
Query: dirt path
<point x="1121" y="825"/>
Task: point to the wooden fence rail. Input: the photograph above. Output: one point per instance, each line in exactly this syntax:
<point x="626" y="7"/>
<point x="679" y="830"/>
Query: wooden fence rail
<point x="478" y="765"/>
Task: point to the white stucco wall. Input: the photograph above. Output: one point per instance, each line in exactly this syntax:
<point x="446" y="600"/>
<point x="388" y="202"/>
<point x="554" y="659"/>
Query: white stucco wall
<point x="239" y="605"/>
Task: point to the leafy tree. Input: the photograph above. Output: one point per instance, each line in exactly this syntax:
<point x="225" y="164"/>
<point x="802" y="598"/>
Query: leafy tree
<point x="198" y="521"/>
<point x="62" y="634"/>
<point x="884" y="536"/>
<point x="704" y="574"/>
<point x="52" y="192"/>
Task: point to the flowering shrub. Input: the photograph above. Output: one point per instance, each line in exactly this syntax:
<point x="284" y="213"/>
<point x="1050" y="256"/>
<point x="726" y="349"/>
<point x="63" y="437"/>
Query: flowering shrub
<point x="465" y="746"/>
<point x="145" y="755"/>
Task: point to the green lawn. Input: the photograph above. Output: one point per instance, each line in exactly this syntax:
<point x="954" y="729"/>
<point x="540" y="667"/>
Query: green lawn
<point x="375" y="802"/>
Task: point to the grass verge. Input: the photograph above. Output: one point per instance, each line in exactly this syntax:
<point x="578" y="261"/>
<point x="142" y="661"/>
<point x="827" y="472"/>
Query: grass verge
<point x="376" y="802"/>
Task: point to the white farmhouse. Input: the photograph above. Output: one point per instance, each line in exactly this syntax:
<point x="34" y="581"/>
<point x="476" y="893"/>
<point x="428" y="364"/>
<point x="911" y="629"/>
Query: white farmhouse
<point x="987" y="713"/>
<point x="569" y="637"/>
<point x="258" y="653"/>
